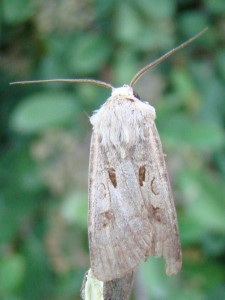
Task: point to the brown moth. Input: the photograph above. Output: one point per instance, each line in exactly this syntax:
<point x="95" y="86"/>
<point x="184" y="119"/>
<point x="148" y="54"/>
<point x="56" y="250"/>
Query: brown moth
<point x="131" y="207"/>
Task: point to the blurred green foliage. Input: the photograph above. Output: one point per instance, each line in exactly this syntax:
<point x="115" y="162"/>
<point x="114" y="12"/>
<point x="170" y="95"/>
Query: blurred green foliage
<point x="45" y="135"/>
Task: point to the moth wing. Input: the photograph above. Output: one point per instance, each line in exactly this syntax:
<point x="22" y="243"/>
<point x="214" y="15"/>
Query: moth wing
<point x="131" y="209"/>
<point x="159" y="202"/>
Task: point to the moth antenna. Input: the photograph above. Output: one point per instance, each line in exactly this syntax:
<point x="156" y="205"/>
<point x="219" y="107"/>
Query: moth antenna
<point x="165" y="56"/>
<point x="92" y="81"/>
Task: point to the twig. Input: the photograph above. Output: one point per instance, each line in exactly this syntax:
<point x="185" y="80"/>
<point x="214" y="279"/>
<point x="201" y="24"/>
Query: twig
<point x="118" y="289"/>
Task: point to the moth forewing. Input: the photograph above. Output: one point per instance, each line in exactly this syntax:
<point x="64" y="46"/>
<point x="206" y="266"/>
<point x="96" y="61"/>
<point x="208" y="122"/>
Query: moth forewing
<point x="131" y="208"/>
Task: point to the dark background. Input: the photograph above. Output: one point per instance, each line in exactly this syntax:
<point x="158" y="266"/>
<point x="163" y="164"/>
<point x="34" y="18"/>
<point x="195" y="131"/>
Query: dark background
<point x="45" y="136"/>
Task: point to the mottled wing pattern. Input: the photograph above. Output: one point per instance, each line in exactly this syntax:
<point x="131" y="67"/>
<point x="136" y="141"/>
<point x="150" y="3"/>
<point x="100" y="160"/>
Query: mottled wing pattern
<point x="131" y="209"/>
<point x="158" y="200"/>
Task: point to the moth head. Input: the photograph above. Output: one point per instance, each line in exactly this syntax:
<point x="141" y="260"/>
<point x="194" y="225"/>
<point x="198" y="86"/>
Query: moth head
<point x="124" y="90"/>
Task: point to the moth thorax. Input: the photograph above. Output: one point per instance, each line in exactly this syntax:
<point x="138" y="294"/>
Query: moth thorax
<point x="123" y="121"/>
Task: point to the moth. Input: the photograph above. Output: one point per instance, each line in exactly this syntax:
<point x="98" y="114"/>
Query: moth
<point x="131" y="207"/>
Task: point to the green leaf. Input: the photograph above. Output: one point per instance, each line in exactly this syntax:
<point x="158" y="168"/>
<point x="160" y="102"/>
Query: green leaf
<point x="12" y="272"/>
<point x="216" y="6"/>
<point x="211" y="90"/>
<point x="125" y="66"/>
<point x="154" y="38"/>
<point x="103" y="8"/>
<point x="190" y="230"/>
<point x="201" y="269"/>
<point x="20" y="191"/>
<point x="181" y="132"/>
<point x="41" y="111"/>
<point x="11" y="297"/>
<point x="204" y="199"/>
<point x="74" y="208"/>
<point x="214" y="244"/>
<point x="128" y="23"/>
<point x="16" y="11"/>
<point x="154" y="268"/>
<point x="159" y="9"/>
<point x="220" y="60"/>
<point x="184" y="85"/>
<point x="89" y="53"/>
<point x="192" y="22"/>
<point x="207" y="214"/>
<point x="39" y="282"/>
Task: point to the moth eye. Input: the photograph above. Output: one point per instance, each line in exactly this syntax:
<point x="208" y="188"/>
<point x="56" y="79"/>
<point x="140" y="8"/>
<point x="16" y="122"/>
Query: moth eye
<point x="112" y="177"/>
<point x="136" y="95"/>
<point x="154" y="187"/>
<point x="141" y="175"/>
